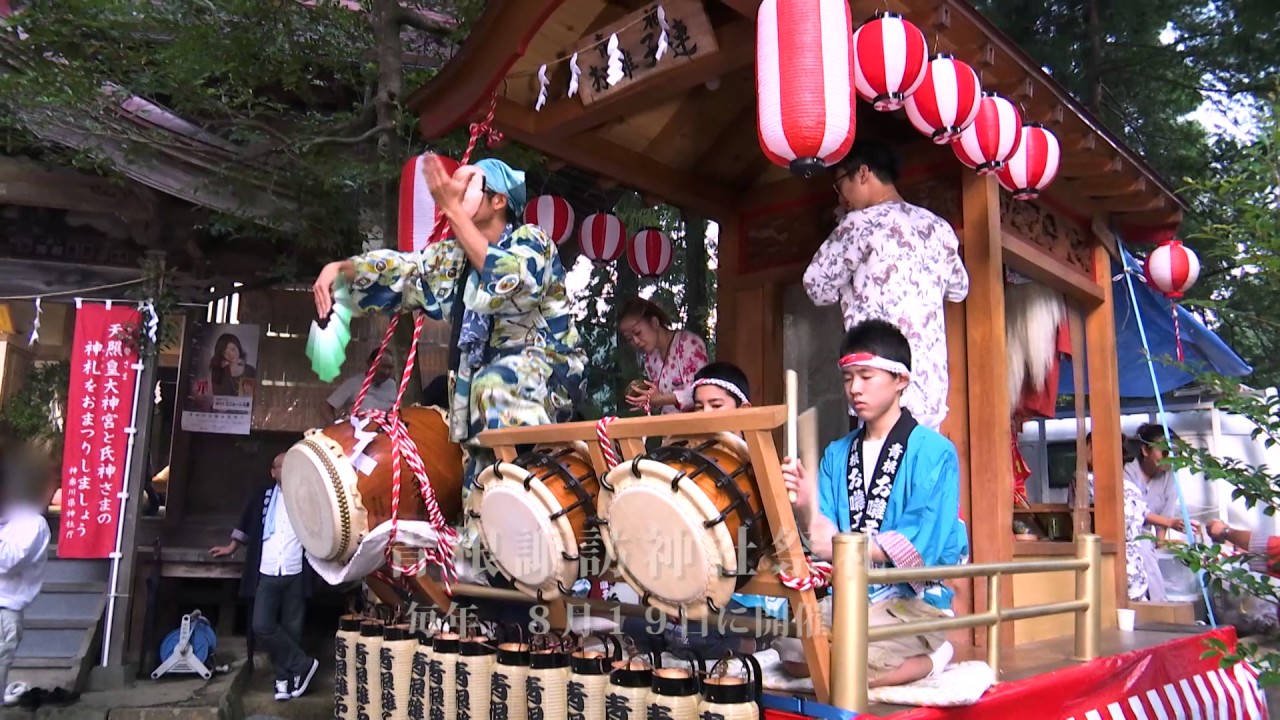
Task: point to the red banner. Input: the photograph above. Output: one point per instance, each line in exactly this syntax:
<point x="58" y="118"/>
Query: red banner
<point x="98" y="426"/>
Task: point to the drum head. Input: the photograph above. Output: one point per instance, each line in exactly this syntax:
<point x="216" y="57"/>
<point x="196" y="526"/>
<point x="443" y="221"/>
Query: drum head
<point x="321" y="496"/>
<point x="660" y="539"/>
<point x="517" y="529"/>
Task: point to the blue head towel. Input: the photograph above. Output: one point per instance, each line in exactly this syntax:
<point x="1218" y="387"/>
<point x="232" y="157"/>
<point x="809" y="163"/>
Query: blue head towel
<point x="499" y="177"/>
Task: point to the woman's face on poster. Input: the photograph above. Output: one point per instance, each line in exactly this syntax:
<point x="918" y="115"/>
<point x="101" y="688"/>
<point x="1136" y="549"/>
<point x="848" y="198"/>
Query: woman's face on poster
<point x="231" y="353"/>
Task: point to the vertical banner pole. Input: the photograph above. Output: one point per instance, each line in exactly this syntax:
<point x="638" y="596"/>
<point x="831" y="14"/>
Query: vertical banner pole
<point x="127" y="492"/>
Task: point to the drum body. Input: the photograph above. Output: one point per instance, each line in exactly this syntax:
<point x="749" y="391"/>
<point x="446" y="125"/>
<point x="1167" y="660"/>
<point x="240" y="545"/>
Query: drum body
<point x="338" y="481"/>
<point x="684" y="524"/>
<point x="535" y="516"/>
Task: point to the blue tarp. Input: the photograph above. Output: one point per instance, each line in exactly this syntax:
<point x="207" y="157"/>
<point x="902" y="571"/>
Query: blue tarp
<point x="1202" y="349"/>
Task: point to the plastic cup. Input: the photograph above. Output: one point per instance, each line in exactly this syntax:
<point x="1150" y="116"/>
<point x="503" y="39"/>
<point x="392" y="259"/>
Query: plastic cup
<point x="1127" y="618"/>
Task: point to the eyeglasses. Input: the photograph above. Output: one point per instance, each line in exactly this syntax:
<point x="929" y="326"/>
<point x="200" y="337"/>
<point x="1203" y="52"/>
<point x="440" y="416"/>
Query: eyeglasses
<point x="839" y="179"/>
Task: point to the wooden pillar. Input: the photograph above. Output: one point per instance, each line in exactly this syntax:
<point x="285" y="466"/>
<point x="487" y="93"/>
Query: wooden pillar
<point x="956" y="428"/>
<point x="990" y="458"/>
<point x="1104" y="405"/>
<point x="727" y="244"/>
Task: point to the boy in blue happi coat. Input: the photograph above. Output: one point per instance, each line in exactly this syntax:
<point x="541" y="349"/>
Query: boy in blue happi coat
<point x="897" y="481"/>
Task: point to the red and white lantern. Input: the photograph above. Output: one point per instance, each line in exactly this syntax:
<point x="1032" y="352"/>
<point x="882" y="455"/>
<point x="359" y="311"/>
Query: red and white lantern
<point x="602" y="238"/>
<point x="650" y="253"/>
<point x="889" y="59"/>
<point x="553" y="214"/>
<point x="418" y="213"/>
<point x="1172" y="268"/>
<point x="993" y="137"/>
<point x="805" y="101"/>
<point x="947" y="101"/>
<point x="1033" y="165"/>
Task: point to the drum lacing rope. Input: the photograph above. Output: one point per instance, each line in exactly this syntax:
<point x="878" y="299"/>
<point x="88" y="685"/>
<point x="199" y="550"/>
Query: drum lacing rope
<point x="819" y="577"/>
<point x="611" y="458"/>
<point x="402" y="447"/>
<point x="404" y="450"/>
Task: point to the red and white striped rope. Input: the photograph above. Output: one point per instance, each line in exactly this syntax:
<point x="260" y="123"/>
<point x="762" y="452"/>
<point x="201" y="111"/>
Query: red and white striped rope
<point x="373" y="366"/>
<point x="819" y="577"/>
<point x="611" y="458"/>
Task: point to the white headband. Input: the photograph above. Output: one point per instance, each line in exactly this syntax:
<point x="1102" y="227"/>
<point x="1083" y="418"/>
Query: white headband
<point x="725" y="385"/>
<point x="866" y="359"/>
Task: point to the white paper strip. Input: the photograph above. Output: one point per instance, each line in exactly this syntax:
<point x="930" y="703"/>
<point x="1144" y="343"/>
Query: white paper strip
<point x="542" y="87"/>
<point x="615" y="73"/>
<point x="662" y="37"/>
<point x="35" y="325"/>
<point x="574" y="72"/>
<point x="153" y="320"/>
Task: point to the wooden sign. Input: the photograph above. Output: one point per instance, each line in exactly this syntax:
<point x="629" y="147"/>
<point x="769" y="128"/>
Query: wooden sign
<point x="689" y="36"/>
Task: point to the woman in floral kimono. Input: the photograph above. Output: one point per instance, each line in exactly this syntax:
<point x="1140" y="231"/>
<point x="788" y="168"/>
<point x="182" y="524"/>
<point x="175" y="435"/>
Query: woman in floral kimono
<point x="501" y="285"/>
<point x="671" y="357"/>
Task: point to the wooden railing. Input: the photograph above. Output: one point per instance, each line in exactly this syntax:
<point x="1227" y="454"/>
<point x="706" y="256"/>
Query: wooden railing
<point x="851" y="634"/>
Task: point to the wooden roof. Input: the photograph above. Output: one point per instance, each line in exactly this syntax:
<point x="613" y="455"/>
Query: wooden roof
<point x="687" y="134"/>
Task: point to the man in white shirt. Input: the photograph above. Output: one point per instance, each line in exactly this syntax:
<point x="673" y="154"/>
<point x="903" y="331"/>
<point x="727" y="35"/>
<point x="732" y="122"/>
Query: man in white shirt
<point x="382" y="393"/>
<point x="24" y="542"/>
<point x="277" y="568"/>
<point x="893" y="261"/>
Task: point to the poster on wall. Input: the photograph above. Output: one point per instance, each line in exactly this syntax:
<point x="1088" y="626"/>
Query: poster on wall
<point x="99" y="423"/>
<point x="223" y="379"/>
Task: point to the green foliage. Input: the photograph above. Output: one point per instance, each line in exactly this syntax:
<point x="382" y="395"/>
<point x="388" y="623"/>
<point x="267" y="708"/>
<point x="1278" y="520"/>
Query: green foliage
<point x="282" y="98"/>
<point x="27" y="414"/>
<point x="1237" y="239"/>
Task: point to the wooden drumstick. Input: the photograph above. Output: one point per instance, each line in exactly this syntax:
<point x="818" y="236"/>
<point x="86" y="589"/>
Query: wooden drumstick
<point x="793" y="402"/>
<point x="807" y="439"/>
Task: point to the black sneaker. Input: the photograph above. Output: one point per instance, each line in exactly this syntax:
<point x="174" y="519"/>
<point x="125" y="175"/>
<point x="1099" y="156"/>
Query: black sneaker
<point x="301" y="682"/>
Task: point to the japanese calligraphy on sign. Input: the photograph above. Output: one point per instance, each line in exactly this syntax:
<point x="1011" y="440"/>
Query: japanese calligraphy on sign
<point x="689" y="36"/>
<point x="99" y="426"/>
<point x="223" y="380"/>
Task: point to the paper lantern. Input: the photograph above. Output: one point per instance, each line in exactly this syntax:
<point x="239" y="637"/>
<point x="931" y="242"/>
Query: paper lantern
<point x="805" y="101"/>
<point x="553" y="214"/>
<point x="947" y="101"/>
<point x="993" y="137"/>
<point x="1033" y="165"/>
<point x="889" y="59"/>
<point x="417" y="208"/>
<point x="1172" y="268"/>
<point x="650" y="253"/>
<point x="602" y="238"/>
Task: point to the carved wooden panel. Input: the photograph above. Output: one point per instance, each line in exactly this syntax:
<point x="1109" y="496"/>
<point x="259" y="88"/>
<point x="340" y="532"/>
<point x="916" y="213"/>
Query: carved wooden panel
<point x="786" y="235"/>
<point x="1048" y="230"/>
<point x="941" y="195"/>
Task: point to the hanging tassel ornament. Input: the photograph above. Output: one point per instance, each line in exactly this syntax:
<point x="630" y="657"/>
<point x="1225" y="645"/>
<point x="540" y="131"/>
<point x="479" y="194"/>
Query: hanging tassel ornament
<point x="662" y="36"/>
<point x="615" y="73"/>
<point x="1177" y="331"/>
<point x="574" y="72"/>
<point x="542" y="88"/>
<point x="35" y="326"/>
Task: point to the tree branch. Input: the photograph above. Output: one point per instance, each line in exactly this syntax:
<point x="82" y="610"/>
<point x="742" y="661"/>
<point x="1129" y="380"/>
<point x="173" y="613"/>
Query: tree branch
<point x="427" y="22"/>
<point x="365" y="136"/>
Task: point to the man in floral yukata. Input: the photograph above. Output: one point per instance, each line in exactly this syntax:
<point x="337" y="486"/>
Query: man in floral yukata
<point x="501" y="285"/>
<point x="893" y="261"/>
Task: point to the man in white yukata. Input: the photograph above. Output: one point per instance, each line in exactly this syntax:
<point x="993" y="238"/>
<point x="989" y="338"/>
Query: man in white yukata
<point x="893" y="261"/>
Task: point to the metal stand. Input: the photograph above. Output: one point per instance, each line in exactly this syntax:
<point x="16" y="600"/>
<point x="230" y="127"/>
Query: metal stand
<point x="183" y="659"/>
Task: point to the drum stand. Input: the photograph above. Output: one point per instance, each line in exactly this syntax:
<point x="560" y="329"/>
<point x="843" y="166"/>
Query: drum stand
<point x="758" y="427"/>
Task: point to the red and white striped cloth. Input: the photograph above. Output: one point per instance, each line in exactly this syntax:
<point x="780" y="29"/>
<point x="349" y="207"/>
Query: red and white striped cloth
<point x="1217" y="694"/>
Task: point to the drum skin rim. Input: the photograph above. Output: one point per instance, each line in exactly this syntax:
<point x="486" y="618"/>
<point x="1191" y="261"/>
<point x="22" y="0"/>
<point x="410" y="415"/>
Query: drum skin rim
<point x="720" y="588"/>
<point x="562" y="535"/>
<point x="342" y="489"/>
